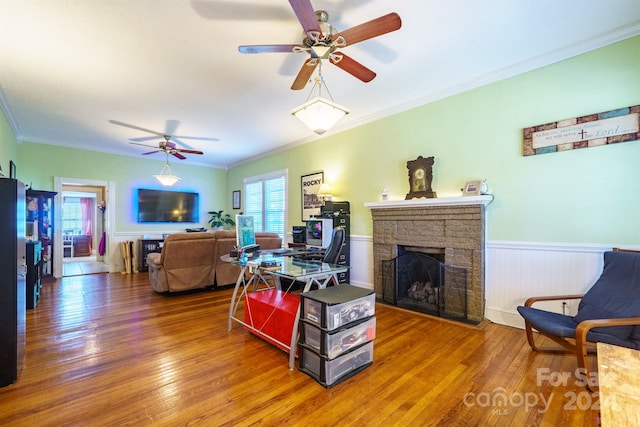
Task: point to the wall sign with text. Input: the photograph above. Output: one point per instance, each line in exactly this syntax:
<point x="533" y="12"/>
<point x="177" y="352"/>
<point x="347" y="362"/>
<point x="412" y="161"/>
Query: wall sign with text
<point x="610" y="127"/>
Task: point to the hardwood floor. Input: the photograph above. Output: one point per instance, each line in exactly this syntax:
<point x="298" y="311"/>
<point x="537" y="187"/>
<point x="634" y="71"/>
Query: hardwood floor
<point x="106" y="350"/>
<point x="83" y="265"/>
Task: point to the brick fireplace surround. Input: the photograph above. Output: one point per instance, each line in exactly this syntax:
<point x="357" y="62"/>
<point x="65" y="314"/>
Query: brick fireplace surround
<point x="455" y="224"/>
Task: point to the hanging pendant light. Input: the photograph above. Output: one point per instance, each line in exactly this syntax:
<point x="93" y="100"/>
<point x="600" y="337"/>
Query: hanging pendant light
<point x="166" y="178"/>
<point x="319" y="114"/>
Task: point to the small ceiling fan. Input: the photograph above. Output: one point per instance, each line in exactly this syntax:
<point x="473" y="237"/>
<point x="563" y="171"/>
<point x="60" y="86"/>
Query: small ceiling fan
<point x="322" y="41"/>
<point x="169" y="147"/>
<point x="168" y="144"/>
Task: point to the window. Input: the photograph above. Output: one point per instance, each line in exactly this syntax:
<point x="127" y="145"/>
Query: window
<point x="71" y="216"/>
<point x="265" y="199"/>
<point x="78" y="212"/>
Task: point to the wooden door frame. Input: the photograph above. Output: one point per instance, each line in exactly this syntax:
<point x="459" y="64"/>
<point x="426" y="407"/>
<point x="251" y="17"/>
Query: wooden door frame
<point x="109" y="216"/>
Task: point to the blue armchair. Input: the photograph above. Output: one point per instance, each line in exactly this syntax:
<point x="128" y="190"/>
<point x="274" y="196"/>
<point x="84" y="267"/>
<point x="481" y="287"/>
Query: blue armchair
<point x="609" y="312"/>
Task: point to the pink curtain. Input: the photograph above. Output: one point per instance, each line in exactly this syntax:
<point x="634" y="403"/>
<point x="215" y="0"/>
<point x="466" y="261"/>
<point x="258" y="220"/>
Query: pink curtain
<point x="87" y="207"/>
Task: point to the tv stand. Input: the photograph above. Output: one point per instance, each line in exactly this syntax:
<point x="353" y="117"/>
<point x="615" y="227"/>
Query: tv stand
<point x="145" y="247"/>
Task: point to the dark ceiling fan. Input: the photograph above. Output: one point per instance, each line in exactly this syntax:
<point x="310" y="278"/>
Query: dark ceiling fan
<point x="322" y="42"/>
<point x="169" y="147"/>
<point x="168" y="144"/>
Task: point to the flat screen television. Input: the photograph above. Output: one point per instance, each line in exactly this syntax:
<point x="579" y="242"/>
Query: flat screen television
<point x="319" y="232"/>
<point x="168" y="206"/>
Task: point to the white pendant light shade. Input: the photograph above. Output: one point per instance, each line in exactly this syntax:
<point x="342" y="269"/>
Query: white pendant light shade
<point x="320" y="114"/>
<point x="166" y="178"/>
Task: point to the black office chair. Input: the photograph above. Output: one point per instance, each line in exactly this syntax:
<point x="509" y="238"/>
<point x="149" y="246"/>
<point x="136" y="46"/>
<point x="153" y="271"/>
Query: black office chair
<point x="331" y="256"/>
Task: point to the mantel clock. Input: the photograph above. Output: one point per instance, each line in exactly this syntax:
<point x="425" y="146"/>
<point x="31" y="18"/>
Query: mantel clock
<point x="420" y="177"/>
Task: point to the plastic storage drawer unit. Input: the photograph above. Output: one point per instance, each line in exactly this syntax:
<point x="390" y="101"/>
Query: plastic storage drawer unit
<point x="331" y="372"/>
<point x="335" y="306"/>
<point x="333" y="344"/>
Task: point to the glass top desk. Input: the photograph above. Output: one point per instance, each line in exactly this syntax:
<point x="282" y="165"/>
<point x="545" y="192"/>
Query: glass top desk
<point x="252" y="276"/>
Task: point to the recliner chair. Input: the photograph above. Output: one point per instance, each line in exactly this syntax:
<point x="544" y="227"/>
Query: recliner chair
<point x="186" y="262"/>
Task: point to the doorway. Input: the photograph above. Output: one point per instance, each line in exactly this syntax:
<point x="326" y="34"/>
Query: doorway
<point x="83" y="247"/>
<point x="83" y="230"/>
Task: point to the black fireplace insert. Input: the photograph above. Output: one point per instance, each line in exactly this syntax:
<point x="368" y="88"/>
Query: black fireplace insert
<point x="421" y="282"/>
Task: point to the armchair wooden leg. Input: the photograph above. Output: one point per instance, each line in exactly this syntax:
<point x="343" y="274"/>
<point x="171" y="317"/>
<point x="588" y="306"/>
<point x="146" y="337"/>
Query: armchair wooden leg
<point x="581" y="354"/>
<point x="530" y="338"/>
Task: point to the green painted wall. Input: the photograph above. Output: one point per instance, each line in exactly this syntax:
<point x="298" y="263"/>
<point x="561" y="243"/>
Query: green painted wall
<point x="584" y="196"/>
<point x="40" y="163"/>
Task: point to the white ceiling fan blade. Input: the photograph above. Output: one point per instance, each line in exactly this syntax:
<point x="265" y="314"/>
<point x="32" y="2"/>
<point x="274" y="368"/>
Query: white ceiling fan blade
<point x="127" y="125"/>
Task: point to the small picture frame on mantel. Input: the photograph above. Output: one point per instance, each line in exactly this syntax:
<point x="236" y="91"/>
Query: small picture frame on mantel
<point x="472" y="188"/>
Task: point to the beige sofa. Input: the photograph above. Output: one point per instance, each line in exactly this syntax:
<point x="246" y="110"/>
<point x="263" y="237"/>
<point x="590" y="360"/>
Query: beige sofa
<point x="192" y="260"/>
<point x="186" y="261"/>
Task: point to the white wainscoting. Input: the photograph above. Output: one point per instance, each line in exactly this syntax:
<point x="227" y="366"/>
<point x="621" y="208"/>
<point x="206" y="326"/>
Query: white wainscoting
<point x="514" y="272"/>
<point x="361" y="261"/>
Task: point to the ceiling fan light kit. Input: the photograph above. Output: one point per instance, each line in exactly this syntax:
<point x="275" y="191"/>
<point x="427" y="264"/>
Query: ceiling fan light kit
<point x="320" y="114"/>
<point x="320" y="42"/>
<point x="166" y="177"/>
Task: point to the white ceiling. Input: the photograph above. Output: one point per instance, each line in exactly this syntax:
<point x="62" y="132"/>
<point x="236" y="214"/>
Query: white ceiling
<point x="70" y="67"/>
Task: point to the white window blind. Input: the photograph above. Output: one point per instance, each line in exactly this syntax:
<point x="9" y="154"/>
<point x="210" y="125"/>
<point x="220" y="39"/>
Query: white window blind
<point x="265" y="200"/>
<point x="71" y="216"/>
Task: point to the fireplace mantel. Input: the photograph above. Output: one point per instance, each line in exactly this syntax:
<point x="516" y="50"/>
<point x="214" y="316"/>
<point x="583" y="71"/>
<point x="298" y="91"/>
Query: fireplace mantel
<point x="444" y="201"/>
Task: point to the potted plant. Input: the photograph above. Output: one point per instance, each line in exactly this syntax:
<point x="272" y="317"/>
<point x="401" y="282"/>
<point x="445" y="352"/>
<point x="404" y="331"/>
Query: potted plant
<point x="220" y="220"/>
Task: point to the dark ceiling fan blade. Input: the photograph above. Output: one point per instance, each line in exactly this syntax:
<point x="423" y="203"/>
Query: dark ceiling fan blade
<point x="151" y="152"/>
<point x="127" y="125"/>
<point x="269" y="48"/>
<point x="376" y="27"/>
<point x="307" y="17"/>
<point x="304" y="74"/>
<point x="178" y="155"/>
<point x="182" y="150"/>
<point x="352" y="67"/>
<point x="175" y="140"/>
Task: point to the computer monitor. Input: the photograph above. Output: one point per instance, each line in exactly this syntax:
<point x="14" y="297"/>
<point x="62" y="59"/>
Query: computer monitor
<point x="245" y="234"/>
<point x="319" y="232"/>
